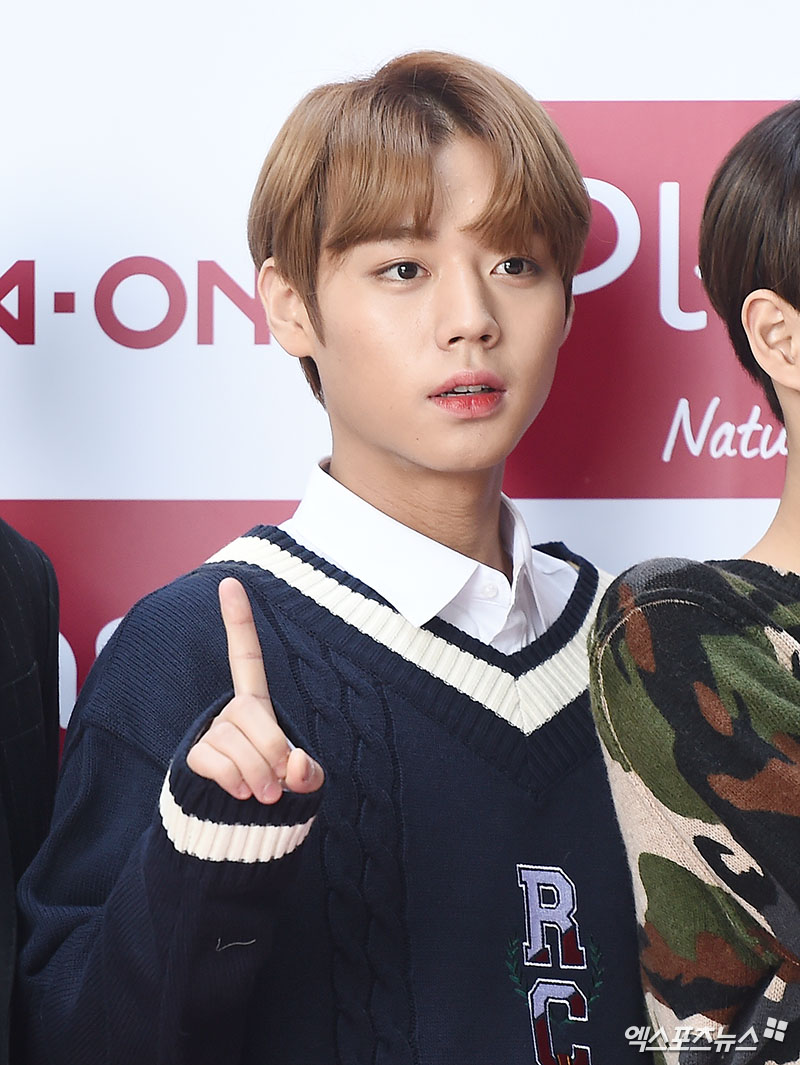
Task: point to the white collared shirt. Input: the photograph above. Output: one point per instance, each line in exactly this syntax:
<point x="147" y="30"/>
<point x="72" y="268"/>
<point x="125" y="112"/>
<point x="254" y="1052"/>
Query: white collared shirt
<point x="433" y="580"/>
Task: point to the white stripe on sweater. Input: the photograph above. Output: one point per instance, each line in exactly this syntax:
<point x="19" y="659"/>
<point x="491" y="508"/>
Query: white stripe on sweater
<point x="217" y="842"/>
<point x="526" y="703"/>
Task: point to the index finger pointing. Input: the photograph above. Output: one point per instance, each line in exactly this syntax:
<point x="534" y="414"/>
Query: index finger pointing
<point x="244" y="649"/>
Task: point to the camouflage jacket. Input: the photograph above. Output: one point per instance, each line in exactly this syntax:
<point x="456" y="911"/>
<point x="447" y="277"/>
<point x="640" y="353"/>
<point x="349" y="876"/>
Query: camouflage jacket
<point x="695" y="676"/>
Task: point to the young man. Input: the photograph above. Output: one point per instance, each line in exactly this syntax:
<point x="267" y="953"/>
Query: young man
<point x="455" y="890"/>
<point x="696" y="680"/>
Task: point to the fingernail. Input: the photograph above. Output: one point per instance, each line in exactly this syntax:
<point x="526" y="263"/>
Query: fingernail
<point x="243" y="792"/>
<point x="310" y="770"/>
<point x="272" y="792"/>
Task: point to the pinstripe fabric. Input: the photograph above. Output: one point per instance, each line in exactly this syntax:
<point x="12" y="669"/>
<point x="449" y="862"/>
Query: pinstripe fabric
<point x="28" y="727"/>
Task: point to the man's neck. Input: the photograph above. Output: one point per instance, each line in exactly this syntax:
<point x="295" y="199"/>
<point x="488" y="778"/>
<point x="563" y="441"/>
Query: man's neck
<point x="780" y="545"/>
<point x="460" y="511"/>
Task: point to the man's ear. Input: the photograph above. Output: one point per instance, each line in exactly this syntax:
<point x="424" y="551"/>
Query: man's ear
<point x="773" y="329"/>
<point x="286" y="313"/>
<point x="568" y="319"/>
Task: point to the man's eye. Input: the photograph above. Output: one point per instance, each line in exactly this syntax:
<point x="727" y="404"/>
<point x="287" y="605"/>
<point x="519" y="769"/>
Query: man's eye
<point x="516" y="266"/>
<point x="403" y="271"/>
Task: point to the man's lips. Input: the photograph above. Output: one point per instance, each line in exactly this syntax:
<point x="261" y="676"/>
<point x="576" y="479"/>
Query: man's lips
<point x="469" y="383"/>
<point x="470" y="394"/>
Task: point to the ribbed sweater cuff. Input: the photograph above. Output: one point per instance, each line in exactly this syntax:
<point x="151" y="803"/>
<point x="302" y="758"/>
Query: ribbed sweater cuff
<point x="201" y="819"/>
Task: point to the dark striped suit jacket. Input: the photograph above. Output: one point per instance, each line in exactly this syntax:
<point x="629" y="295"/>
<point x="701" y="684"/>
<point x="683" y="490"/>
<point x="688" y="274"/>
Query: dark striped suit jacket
<point x="28" y="729"/>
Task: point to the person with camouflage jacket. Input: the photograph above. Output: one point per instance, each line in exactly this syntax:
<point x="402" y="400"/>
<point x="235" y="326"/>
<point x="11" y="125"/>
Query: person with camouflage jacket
<point x="695" y="677"/>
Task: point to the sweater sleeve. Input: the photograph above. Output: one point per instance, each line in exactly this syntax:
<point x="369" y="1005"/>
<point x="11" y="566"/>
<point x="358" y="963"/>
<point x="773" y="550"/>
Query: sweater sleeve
<point x="696" y="700"/>
<point x="149" y="911"/>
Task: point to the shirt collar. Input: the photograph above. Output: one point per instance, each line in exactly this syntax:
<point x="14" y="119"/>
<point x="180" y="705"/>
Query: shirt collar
<point x="344" y="529"/>
<point x="550" y="580"/>
<point x="341" y="527"/>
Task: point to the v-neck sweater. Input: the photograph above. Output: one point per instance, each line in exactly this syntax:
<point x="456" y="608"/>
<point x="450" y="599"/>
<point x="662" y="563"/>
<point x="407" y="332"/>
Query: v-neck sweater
<point x="456" y="892"/>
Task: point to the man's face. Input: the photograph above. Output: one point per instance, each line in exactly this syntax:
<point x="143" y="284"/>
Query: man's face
<point x="438" y="352"/>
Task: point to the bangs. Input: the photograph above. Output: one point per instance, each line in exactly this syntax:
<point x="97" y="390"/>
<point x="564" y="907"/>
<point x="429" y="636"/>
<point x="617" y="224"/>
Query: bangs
<point x="380" y="171"/>
<point x="535" y="195"/>
<point x="378" y="195"/>
<point x="380" y="180"/>
<point x="517" y="212"/>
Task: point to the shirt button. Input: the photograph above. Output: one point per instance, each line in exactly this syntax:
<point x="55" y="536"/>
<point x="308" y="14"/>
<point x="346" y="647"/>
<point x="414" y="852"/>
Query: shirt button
<point x="489" y="591"/>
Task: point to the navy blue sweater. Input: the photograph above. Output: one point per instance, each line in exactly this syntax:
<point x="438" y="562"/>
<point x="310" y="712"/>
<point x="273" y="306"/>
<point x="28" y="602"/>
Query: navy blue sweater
<point x="457" y="892"/>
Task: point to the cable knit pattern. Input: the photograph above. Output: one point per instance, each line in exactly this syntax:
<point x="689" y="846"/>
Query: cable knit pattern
<point x="379" y="921"/>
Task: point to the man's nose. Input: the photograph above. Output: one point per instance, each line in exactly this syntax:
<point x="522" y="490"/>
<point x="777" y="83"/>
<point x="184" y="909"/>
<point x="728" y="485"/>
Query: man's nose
<point x="464" y="312"/>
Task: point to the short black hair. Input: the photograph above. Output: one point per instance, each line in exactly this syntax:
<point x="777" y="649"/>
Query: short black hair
<point x="750" y="232"/>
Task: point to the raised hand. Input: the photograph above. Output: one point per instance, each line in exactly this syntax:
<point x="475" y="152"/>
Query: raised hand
<point x="245" y="750"/>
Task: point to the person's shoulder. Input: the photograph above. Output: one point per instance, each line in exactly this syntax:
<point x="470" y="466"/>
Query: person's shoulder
<point x="187" y="605"/>
<point x="168" y="652"/>
<point x="20" y="558"/>
<point x="663" y="576"/>
<point x="12" y="540"/>
<point x="669" y="585"/>
<point x="28" y="587"/>
<point x="667" y="578"/>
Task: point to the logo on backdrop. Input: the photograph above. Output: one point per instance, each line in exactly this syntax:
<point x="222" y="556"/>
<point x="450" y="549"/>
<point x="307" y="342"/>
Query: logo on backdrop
<point x="19" y="282"/>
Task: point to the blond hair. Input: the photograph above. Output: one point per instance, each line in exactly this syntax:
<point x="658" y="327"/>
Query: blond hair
<point x="354" y="158"/>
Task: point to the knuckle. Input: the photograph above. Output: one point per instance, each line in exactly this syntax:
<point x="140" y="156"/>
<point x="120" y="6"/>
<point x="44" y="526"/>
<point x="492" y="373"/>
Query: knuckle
<point x="232" y="711"/>
<point x="247" y="711"/>
<point x="223" y="730"/>
<point x="277" y="747"/>
<point x="228" y="776"/>
<point x="207" y="762"/>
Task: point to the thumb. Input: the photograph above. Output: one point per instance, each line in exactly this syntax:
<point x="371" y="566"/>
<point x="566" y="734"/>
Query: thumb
<point x="303" y="774"/>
